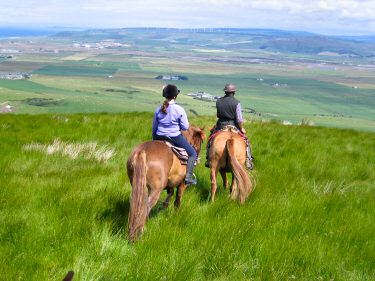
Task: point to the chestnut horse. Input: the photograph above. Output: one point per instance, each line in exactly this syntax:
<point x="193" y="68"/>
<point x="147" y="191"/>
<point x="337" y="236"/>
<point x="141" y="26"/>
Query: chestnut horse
<point x="228" y="154"/>
<point x="153" y="167"/>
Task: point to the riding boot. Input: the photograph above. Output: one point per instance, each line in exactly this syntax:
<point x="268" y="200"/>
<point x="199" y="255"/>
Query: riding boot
<point x="189" y="171"/>
<point x="249" y="158"/>
<point x="207" y="164"/>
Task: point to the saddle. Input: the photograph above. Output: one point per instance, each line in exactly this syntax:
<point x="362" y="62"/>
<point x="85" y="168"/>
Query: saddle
<point x="227" y="128"/>
<point x="178" y="151"/>
<point x="230" y="128"/>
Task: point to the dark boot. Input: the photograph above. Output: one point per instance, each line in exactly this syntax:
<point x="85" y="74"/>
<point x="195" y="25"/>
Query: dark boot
<point x="249" y="158"/>
<point x="249" y="164"/>
<point x="189" y="171"/>
<point x="207" y="164"/>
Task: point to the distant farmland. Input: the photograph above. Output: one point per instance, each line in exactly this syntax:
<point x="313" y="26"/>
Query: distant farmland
<point x="275" y="82"/>
<point x="85" y="71"/>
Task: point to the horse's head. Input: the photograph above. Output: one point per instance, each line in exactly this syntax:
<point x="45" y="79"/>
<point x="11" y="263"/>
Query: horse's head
<point x="195" y="136"/>
<point x="211" y="130"/>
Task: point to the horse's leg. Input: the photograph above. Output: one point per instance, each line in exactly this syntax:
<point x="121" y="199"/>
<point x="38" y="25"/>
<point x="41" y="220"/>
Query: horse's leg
<point x="224" y="176"/>
<point x="180" y="190"/>
<point x="231" y="185"/>
<point x="213" y="182"/>
<point x="170" y="192"/>
<point x="153" y="197"/>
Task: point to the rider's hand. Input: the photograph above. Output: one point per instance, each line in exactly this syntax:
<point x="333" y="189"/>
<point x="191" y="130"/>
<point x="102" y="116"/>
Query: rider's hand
<point x="243" y="130"/>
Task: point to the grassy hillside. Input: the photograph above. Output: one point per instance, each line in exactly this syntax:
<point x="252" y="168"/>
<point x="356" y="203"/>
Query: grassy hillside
<point x="64" y="201"/>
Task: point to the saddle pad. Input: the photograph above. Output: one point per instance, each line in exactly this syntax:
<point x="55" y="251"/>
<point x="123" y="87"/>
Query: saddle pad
<point x="179" y="152"/>
<point x="230" y="128"/>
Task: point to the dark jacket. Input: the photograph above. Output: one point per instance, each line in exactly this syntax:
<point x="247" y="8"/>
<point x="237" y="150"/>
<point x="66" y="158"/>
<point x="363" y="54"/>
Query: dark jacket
<point x="226" y="111"/>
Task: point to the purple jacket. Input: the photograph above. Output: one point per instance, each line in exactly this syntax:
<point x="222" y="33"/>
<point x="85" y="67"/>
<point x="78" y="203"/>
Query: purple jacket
<point x="170" y="124"/>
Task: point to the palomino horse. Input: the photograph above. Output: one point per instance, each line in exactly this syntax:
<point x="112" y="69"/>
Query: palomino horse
<point x="152" y="167"/>
<point x="228" y="154"/>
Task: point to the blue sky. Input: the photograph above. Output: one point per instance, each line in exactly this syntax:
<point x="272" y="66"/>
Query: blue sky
<point x="344" y="17"/>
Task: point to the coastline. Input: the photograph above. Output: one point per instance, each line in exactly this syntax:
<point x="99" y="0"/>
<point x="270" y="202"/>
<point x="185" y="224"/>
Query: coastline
<point x="14" y="33"/>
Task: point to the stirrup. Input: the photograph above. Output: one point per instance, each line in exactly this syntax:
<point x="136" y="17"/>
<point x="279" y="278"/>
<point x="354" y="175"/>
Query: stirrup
<point x="249" y="165"/>
<point x="193" y="180"/>
<point x="207" y="164"/>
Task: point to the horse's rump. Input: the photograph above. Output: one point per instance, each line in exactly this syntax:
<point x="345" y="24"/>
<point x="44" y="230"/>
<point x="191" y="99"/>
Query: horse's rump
<point x="228" y="154"/>
<point x="159" y="160"/>
<point x="152" y="167"/>
<point x="219" y="152"/>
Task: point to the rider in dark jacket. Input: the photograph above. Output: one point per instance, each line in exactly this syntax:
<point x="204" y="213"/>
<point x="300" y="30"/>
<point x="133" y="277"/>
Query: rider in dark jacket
<point x="229" y="112"/>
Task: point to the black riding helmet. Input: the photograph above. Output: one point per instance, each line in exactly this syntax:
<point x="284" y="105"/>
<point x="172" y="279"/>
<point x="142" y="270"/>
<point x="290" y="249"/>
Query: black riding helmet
<point x="170" y="91"/>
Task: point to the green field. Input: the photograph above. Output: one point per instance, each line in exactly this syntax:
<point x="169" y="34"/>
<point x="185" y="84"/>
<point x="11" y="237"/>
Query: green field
<point x="275" y="80"/>
<point x="311" y="216"/>
<point x="62" y="70"/>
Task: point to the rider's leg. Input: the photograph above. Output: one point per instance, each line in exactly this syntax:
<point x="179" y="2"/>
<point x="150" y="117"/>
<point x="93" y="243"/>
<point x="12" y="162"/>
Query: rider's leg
<point x="189" y="180"/>
<point x="207" y="163"/>
<point x="249" y="158"/>
<point x="182" y="142"/>
<point x="213" y="131"/>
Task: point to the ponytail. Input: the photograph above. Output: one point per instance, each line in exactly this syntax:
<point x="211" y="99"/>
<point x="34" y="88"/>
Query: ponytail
<point x="164" y="106"/>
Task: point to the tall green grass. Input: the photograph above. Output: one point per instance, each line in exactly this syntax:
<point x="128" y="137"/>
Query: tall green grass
<point x="311" y="216"/>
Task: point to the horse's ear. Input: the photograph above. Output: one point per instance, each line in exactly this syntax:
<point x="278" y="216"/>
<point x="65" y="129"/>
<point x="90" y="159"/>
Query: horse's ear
<point x="203" y="133"/>
<point x="195" y="129"/>
<point x="203" y="136"/>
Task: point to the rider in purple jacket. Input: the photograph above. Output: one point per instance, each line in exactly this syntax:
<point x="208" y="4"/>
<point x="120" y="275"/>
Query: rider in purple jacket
<point x="169" y="119"/>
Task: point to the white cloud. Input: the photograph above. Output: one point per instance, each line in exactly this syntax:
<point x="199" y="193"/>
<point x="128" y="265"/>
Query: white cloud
<point x="319" y="16"/>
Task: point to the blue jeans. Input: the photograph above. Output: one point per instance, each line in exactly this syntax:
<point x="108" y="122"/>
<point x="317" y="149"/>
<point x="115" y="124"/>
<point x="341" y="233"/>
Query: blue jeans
<point x="182" y="142"/>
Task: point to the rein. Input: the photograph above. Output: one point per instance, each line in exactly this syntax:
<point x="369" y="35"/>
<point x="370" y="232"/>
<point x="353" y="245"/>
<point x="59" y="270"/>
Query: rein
<point x="211" y="137"/>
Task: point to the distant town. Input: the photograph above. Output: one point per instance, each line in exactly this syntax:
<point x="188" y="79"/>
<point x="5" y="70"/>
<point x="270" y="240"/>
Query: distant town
<point x="15" y="76"/>
<point x="203" y="96"/>
<point x="170" y="77"/>
<point x="100" y="45"/>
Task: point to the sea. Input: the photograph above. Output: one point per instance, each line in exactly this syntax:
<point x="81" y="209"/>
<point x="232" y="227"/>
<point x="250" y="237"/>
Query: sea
<point x="9" y="32"/>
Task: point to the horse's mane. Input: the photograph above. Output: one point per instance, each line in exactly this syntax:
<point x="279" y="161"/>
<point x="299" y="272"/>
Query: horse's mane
<point x="194" y="135"/>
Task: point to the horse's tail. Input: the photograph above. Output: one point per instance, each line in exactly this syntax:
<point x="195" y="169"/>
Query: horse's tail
<point x="242" y="185"/>
<point x="138" y="201"/>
